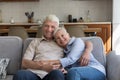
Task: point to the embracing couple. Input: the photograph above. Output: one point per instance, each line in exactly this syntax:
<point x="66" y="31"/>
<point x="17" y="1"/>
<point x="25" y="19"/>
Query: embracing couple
<point x="57" y="56"/>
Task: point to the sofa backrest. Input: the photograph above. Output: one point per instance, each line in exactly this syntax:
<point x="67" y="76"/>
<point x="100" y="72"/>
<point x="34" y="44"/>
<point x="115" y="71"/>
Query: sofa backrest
<point x="11" y="47"/>
<point x="26" y="44"/>
<point x="98" y="49"/>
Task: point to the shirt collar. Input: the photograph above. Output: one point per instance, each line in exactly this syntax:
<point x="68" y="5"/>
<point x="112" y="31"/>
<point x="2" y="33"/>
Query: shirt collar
<point x="68" y="47"/>
<point x="44" y="39"/>
<point x="71" y="40"/>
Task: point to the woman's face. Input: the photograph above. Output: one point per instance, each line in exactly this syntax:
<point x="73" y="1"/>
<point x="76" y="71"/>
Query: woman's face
<point x="62" y="38"/>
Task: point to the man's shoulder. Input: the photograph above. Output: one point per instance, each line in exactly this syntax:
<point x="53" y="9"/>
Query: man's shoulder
<point x="36" y="40"/>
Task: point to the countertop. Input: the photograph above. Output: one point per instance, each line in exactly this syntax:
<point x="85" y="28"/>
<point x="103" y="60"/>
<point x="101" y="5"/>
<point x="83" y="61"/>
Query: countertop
<point x="20" y="23"/>
<point x="37" y="24"/>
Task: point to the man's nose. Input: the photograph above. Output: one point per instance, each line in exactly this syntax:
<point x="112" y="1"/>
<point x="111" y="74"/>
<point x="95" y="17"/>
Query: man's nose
<point x="49" y="29"/>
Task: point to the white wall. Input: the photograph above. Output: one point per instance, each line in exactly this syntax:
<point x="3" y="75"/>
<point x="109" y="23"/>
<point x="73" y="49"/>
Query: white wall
<point x="116" y="26"/>
<point x="100" y="10"/>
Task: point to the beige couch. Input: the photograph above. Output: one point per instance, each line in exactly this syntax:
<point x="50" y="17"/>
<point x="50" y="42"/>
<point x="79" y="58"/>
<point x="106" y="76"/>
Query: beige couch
<point x="13" y="47"/>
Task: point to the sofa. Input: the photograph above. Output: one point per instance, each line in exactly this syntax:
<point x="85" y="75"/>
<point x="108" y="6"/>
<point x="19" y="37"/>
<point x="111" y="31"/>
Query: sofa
<point x="13" y="47"/>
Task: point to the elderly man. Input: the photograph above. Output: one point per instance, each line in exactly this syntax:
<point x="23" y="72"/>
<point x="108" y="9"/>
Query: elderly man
<point x="40" y="51"/>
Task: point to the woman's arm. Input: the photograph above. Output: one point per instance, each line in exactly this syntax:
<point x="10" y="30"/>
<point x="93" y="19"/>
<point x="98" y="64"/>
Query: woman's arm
<point x="85" y="55"/>
<point x="85" y="58"/>
<point x="76" y="50"/>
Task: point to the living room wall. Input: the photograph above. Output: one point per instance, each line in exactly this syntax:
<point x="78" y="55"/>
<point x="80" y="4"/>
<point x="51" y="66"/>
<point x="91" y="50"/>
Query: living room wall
<point x="100" y="10"/>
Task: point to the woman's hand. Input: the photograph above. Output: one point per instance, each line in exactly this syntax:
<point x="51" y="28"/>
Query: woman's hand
<point x="84" y="60"/>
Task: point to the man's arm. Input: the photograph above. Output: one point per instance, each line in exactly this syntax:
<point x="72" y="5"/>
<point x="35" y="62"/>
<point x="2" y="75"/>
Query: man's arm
<point x="84" y="59"/>
<point x="38" y="65"/>
<point x="29" y="63"/>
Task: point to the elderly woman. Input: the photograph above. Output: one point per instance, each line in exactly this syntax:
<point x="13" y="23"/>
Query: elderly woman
<point x="73" y="49"/>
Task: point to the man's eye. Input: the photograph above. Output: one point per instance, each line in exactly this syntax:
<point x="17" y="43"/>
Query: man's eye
<point x="53" y="27"/>
<point x="46" y="25"/>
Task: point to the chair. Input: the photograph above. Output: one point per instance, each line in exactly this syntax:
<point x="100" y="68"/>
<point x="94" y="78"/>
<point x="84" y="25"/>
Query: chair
<point x="39" y="33"/>
<point x="76" y="31"/>
<point x="18" y="31"/>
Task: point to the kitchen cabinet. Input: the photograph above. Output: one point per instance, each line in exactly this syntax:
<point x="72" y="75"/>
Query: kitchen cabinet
<point x="17" y="0"/>
<point x="103" y="30"/>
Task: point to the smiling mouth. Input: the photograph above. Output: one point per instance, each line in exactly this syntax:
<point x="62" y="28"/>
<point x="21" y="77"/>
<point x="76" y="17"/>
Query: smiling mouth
<point x="49" y="33"/>
<point x="62" y="42"/>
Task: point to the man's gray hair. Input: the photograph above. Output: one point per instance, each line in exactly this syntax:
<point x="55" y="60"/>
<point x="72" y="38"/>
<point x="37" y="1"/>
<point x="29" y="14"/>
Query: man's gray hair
<point x="52" y="18"/>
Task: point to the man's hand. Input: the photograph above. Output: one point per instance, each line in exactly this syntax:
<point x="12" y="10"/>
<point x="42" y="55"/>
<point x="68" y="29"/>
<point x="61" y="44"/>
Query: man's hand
<point x="56" y="66"/>
<point x="49" y="65"/>
<point x="46" y="65"/>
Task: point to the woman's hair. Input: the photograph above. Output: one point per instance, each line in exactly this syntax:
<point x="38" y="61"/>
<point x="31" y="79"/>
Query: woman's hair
<point x="59" y="28"/>
<point x="52" y="18"/>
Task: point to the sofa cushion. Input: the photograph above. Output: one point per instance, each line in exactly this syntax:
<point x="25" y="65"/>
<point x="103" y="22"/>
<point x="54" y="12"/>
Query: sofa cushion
<point x="26" y="44"/>
<point x="9" y="77"/>
<point x="11" y="47"/>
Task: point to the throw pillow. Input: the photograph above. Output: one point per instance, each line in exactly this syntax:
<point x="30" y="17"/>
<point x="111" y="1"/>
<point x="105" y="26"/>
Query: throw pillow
<point x="3" y="65"/>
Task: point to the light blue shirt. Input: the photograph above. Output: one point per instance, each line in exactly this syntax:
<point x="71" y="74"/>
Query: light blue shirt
<point x="73" y="51"/>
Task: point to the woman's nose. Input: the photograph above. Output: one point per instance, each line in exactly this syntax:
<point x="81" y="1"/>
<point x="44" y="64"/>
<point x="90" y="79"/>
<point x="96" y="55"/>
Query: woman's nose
<point x="61" y="39"/>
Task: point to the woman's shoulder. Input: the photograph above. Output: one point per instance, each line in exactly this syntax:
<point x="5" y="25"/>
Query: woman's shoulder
<point x="77" y="40"/>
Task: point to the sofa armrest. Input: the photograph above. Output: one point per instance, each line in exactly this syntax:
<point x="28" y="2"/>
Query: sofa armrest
<point x="113" y="66"/>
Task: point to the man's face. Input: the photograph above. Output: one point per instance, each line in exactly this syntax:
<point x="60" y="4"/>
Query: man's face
<point x="48" y="29"/>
